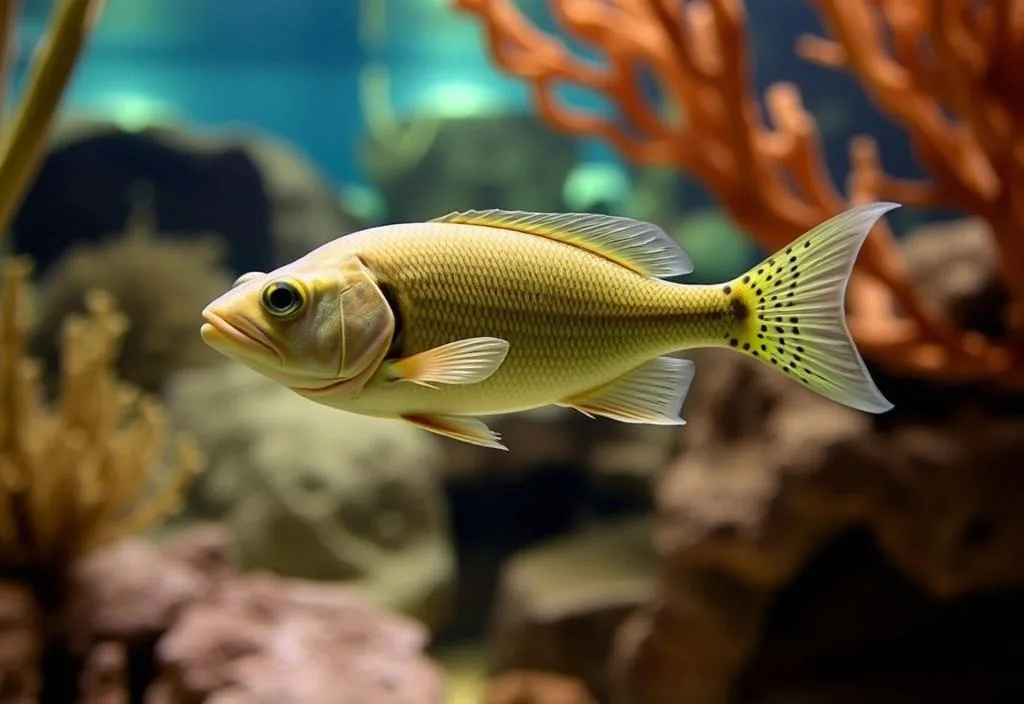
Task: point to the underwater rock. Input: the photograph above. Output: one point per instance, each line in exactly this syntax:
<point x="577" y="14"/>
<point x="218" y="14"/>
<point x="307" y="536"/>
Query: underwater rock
<point x="850" y="628"/>
<point x="623" y="461"/>
<point x="159" y="283"/>
<point x="724" y="533"/>
<point x="314" y="492"/>
<point x="501" y="161"/>
<point x="21" y="644"/>
<point x="265" y="640"/>
<point x="766" y="484"/>
<point x="950" y="515"/>
<point x="179" y="624"/>
<point x="561" y="469"/>
<point x="206" y="548"/>
<point x="525" y="687"/>
<point x="561" y="603"/>
<point x="104" y="675"/>
<point x="305" y="210"/>
<point x="129" y="592"/>
<point x="262" y="196"/>
<point x="956" y="261"/>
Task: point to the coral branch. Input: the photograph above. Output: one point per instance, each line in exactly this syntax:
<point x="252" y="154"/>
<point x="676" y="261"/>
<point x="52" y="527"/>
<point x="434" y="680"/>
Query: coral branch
<point x="772" y="178"/>
<point x="977" y="163"/>
<point x="75" y="476"/>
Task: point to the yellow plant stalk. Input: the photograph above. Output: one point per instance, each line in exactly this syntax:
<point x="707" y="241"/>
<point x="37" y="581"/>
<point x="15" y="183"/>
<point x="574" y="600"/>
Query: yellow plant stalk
<point x="24" y="141"/>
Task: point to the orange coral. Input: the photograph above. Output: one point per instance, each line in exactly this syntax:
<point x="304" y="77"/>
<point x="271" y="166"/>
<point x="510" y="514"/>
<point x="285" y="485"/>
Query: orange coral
<point x="772" y="179"/>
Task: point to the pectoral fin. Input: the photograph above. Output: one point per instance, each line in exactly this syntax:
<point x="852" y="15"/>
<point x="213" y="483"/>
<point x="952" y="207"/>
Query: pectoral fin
<point x="461" y="362"/>
<point x="652" y="393"/>
<point x="462" y="428"/>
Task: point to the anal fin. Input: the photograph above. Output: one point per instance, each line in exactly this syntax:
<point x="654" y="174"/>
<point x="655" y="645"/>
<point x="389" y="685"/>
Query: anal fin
<point x="463" y="428"/>
<point x="652" y="393"/>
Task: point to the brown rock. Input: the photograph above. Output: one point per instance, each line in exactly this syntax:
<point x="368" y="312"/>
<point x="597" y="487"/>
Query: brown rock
<point x="525" y="687"/>
<point x="21" y="645"/>
<point x="218" y="637"/>
<point x="265" y="639"/>
<point x="561" y="603"/>
<point x="956" y="262"/>
<point x="128" y="592"/>
<point x="772" y="474"/>
<point x="205" y="548"/>
<point x="738" y="519"/>
<point x="104" y="675"/>
<point x="951" y="515"/>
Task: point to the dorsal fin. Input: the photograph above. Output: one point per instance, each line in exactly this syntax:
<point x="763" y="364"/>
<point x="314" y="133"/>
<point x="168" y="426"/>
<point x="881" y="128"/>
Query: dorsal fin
<point x="641" y="246"/>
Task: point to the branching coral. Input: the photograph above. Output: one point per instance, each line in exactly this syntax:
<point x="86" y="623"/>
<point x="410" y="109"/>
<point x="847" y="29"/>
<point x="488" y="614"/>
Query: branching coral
<point x="74" y="476"/>
<point x="772" y="178"/>
<point x="953" y="57"/>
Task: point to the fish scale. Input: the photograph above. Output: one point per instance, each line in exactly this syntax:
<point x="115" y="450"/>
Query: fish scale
<point x="570" y="316"/>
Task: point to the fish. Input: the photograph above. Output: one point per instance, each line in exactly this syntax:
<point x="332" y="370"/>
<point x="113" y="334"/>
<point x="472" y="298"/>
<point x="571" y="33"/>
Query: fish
<point x="481" y="313"/>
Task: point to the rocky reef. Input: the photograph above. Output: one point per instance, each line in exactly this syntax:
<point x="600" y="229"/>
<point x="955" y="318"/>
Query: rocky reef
<point x="177" y="624"/>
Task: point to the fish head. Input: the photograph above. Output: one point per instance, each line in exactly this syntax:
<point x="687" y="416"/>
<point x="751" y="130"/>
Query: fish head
<point x="308" y="325"/>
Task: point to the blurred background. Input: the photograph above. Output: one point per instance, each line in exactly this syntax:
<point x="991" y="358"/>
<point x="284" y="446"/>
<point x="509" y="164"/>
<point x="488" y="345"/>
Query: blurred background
<point x="777" y="549"/>
<point x="388" y="109"/>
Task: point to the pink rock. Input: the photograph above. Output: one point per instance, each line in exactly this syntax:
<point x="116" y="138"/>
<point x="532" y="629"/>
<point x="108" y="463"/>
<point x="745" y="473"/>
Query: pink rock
<point x="265" y="639"/>
<point x="127" y="592"/>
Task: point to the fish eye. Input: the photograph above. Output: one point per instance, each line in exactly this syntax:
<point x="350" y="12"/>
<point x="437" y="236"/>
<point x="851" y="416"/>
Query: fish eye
<point x="248" y="276"/>
<point x="283" y="298"/>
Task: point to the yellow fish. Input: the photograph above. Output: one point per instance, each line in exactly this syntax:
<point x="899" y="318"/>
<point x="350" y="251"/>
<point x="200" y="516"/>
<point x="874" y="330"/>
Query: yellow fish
<point x="485" y="312"/>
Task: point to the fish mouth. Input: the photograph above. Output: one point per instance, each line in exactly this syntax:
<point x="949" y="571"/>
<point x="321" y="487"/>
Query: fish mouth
<point x="215" y="329"/>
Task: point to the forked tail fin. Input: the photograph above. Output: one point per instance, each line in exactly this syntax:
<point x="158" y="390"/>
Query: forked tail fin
<point x="799" y="322"/>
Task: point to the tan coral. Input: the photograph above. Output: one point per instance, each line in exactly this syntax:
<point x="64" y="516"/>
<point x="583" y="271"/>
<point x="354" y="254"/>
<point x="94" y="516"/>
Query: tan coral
<point x="75" y="475"/>
<point x="771" y="177"/>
